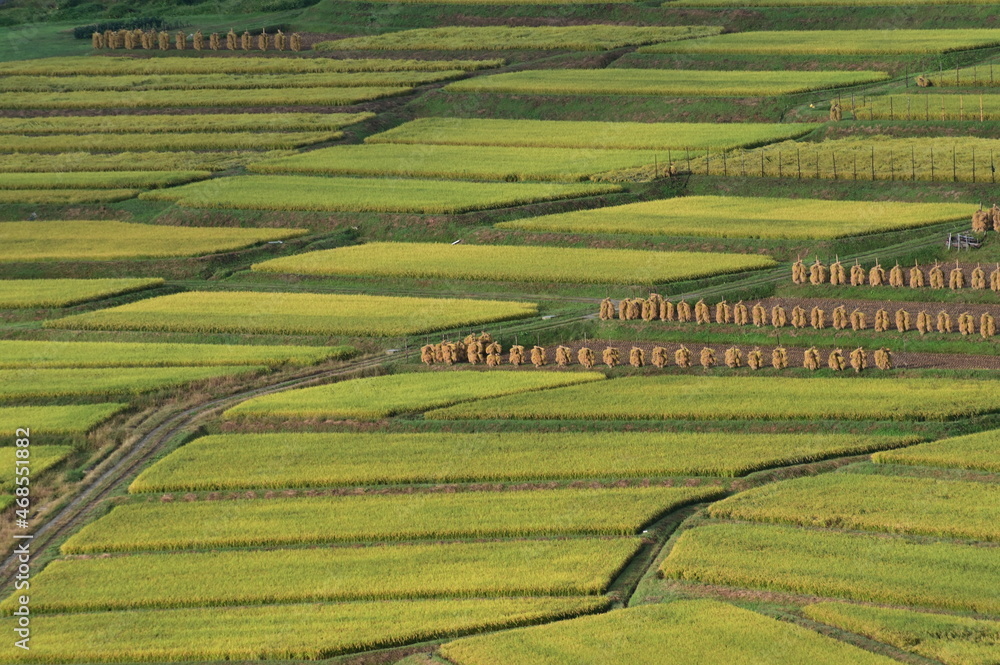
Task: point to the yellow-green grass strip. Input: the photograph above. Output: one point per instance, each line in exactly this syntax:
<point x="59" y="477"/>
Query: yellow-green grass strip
<point x="895" y="504"/>
<point x="37" y="354"/>
<point x="928" y="107"/>
<point x="384" y="396"/>
<point x="131" y="161"/>
<point x="64" y="196"/>
<point x="457" y="162"/>
<point x="977" y="76"/>
<point x="952" y="640"/>
<point x="49" y="420"/>
<point x="496" y="38"/>
<point x="561" y="567"/>
<point x="6" y="500"/>
<point x="674" y="82"/>
<point x="748" y="217"/>
<point x="692" y="632"/>
<point x="590" y="135"/>
<point x="85" y="66"/>
<point x="39" y="460"/>
<point x="869" y="568"/>
<point x="279" y="461"/>
<point x="59" y="84"/>
<point x="61" y="143"/>
<point x="267" y="522"/>
<point x="21" y="293"/>
<point x="20" y="384"/>
<point x="977" y="452"/>
<point x="284" y="632"/>
<point x="108" y="239"/>
<point x="514" y="263"/>
<point x="297" y="314"/>
<point x="367" y="194"/>
<point x="214" y="122"/>
<point x="99" y="179"/>
<point x="197" y="98"/>
<point x="744" y="398"/>
<point x="836" y="42"/>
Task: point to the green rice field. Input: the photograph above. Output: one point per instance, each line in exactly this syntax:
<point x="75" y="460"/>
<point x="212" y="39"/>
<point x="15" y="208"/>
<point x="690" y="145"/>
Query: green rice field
<point x="197" y="98"/>
<point x="100" y="179"/>
<point x="22" y="293"/>
<point x="42" y="458"/>
<point x="748" y="217"/>
<point x="312" y="459"/>
<point x="571" y="567"/>
<point x="30" y="383"/>
<point x="140" y="142"/>
<point x="131" y="161"/>
<point x="64" y="196"/>
<point x="49" y="420"/>
<point x="184" y="123"/>
<point x="296" y="314"/>
<point x="980" y="452"/>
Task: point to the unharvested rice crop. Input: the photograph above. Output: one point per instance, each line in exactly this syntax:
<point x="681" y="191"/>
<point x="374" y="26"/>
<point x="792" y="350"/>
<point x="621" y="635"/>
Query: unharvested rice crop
<point x="980" y="451"/>
<point x="17" y="293"/>
<point x="294" y="632"/>
<point x="44" y="383"/>
<point x="108" y="239"/>
<point x="863" y="158"/>
<point x="185" y="123"/>
<point x="922" y="506"/>
<point x="751" y="398"/>
<point x="818" y="3"/>
<point x="64" y="84"/>
<point x="514" y="263"/>
<point x="590" y="135"/>
<point x="197" y="98"/>
<point x="693" y="632"/>
<point x="61" y="143"/>
<point x="835" y="42"/>
<point x="868" y="568"/>
<point x="384" y="396"/>
<point x="30" y="353"/>
<point x="949" y="639"/>
<point x="367" y="195"/>
<point x="748" y="217"/>
<point x="928" y="107"/>
<point x="64" y="196"/>
<point x="85" y="66"/>
<point x="296" y="314"/>
<point x="496" y="38"/>
<point x="675" y="82"/>
<point x="42" y="458"/>
<point x="99" y="179"/>
<point x="567" y="567"/>
<point x="131" y="161"/>
<point x="47" y="420"/>
<point x="205" y="524"/>
<point x="275" y="461"/>
<point x="457" y="162"/>
<point x="976" y="76"/>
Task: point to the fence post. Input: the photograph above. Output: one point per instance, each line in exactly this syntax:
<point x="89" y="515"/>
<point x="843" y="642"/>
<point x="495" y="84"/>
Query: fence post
<point x="798" y="161"/>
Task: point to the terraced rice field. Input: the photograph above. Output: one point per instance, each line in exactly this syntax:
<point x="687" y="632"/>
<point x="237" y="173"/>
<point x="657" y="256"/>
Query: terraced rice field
<point x="42" y="459"/>
<point x="720" y="398"/>
<point x="84" y="66"/>
<point x="268" y="522"/>
<point x="103" y="240"/>
<point x="312" y="459"/>
<point x="836" y="42"/>
<point x="21" y="293"/>
<point x="141" y="142"/>
<point x="100" y="179"/>
<point x="921" y="506"/>
<point x="48" y="420"/>
<point x="574" y="38"/>
<point x="952" y="640"/>
<point x="572" y="567"/>
<point x="298" y="631"/>
<point x="366" y="195"/>
<point x="183" y="123"/>
<point x="748" y="217"/>
<point x="865" y="568"/>
<point x="980" y="451"/>
<point x="30" y="353"/>
<point x="589" y="135"/>
<point x="20" y="384"/>
<point x="929" y="107"/>
<point x="383" y="396"/>
<point x="131" y="161"/>
<point x="65" y="196"/>
<point x="456" y="162"/>
<point x="694" y="632"/>
<point x="296" y="314"/>
<point x="198" y="98"/>
<point x="674" y="82"/>
<point x="514" y="263"/>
